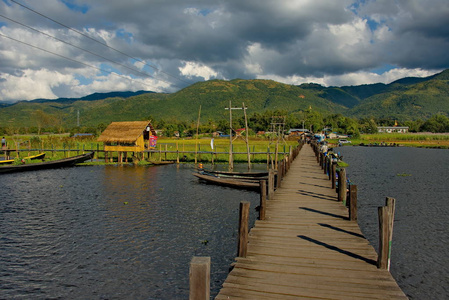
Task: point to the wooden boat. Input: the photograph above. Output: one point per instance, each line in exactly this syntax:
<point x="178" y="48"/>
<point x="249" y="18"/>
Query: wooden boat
<point x="231" y="182"/>
<point x="60" y="163"/>
<point x="225" y="175"/>
<point x="160" y="163"/>
<point x="239" y="174"/>
<point x="10" y="161"/>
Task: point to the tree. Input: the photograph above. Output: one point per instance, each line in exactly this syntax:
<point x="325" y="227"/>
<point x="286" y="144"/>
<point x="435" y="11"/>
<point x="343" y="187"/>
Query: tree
<point x="436" y="123"/>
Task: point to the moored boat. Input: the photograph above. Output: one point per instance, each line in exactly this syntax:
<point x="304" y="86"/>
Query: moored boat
<point x="32" y="157"/>
<point x="230" y="182"/>
<point x="60" y="163"/>
<point x="240" y="174"/>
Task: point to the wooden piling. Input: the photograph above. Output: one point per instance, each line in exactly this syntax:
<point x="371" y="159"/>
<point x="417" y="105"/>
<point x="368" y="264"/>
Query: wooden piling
<point x="279" y="174"/>
<point x="263" y="199"/>
<point x="384" y="237"/>
<point x="353" y="202"/>
<point x="391" y="205"/>
<point x="243" y="229"/>
<point x="270" y="184"/>
<point x="342" y="186"/>
<point x="333" y="177"/>
<point x="199" y="276"/>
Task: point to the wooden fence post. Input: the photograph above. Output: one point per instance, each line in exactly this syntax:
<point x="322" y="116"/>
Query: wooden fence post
<point x="391" y="205"/>
<point x="199" y="276"/>
<point x="280" y="174"/>
<point x="333" y="177"/>
<point x="243" y="229"/>
<point x="342" y="186"/>
<point x="384" y="238"/>
<point x="263" y="199"/>
<point x="353" y="202"/>
<point x="270" y="184"/>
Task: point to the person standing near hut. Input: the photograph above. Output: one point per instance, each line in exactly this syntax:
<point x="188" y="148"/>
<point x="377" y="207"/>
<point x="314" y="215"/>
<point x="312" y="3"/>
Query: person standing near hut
<point x="3" y="142"/>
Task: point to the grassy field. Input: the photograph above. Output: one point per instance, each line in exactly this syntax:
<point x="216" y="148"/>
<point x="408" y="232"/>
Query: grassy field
<point x="63" y="146"/>
<point x="424" y="140"/>
<point x="59" y="146"/>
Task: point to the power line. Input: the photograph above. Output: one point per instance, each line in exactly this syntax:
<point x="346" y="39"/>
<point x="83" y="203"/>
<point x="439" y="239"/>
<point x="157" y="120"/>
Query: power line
<point x="73" y="60"/>
<point x="97" y="41"/>
<point x="90" y="52"/>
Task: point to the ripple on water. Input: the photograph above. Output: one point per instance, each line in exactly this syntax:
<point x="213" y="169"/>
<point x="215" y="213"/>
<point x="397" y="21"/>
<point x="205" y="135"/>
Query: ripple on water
<point x="113" y="232"/>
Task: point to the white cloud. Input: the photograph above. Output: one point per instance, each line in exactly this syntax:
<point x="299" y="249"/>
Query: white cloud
<point x="355" y="78"/>
<point x="193" y="69"/>
<point x="33" y="84"/>
<point x="328" y="41"/>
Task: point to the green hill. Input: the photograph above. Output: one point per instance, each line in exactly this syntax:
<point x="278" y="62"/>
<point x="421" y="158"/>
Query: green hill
<point x="213" y="96"/>
<point x="405" y="99"/>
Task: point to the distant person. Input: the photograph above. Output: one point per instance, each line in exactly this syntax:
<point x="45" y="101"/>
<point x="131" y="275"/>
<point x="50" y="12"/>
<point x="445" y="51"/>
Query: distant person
<point x="3" y="142"/>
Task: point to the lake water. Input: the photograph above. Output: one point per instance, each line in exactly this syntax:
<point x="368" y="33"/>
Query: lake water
<point x="418" y="179"/>
<point x="109" y="232"/>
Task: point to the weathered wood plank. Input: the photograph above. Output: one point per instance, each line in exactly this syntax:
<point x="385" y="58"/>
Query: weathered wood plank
<point x="307" y="248"/>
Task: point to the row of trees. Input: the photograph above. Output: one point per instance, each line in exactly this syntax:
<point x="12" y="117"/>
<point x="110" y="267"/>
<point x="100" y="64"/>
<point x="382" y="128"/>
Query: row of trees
<point x="312" y="120"/>
<point x="257" y="122"/>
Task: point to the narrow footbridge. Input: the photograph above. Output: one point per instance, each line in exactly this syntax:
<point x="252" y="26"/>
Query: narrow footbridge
<point x="307" y="248"/>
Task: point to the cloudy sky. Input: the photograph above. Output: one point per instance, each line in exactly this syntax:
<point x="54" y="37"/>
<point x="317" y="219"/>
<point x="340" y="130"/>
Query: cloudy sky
<point x="71" y="48"/>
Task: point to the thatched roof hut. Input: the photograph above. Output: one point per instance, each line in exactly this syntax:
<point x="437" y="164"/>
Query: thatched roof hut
<point x="130" y="134"/>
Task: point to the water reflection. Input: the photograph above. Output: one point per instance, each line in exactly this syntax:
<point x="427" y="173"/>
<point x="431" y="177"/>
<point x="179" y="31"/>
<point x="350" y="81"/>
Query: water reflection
<point x="113" y="232"/>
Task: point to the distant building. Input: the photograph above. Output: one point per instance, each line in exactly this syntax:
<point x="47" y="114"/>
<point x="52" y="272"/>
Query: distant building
<point x="297" y="131"/>
<point x="392" y="129"/>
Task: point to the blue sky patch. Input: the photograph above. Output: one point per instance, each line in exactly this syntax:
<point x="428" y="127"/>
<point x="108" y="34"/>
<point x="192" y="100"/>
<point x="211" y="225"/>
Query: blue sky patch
<point x="382" y="69"/>
<point x="84" y="8"/>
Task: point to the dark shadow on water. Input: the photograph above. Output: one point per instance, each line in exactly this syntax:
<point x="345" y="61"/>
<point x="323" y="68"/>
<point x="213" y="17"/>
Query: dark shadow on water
<point x="348" y="253"/>
<point x="316" y="195"/>
<point x="342" y="230"/>
<point x="323" y="213"/>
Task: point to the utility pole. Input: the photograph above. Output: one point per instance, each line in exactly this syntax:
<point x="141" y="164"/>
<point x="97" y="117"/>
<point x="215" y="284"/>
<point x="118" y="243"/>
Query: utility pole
<point x="231" y="139"/>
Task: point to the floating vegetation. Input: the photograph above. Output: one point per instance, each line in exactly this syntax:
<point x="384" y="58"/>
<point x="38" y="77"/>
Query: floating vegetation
<point x="403" y="174"/>
<point x="342" y="164"/>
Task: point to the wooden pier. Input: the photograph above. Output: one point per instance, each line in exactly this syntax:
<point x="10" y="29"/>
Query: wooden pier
<point x="307" y="248"/>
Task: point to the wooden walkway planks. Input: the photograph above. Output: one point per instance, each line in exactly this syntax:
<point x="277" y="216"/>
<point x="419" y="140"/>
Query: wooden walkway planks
<point x="306" y="248"/>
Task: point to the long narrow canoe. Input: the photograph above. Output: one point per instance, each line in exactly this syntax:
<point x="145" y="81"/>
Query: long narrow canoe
<point x="10" y="161"/>
<point x="244" y="174"/>
<point x="235" y="183"/>
<point x="60" y="163"/>
<point x="238" y="177"/>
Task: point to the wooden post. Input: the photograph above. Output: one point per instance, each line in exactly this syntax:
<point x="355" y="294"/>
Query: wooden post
<point x="263" y="199"/>
<point x="279" y="175"/>
<point x="353" y="202"/>
<point x="231" y="159"/>
<point x="342" y="186"/>
<point x="160" y="153"/>
<point x="247" y="136"/>
<point x="166" y="150"/>
<point x="199" y="276"/>
<point x="333" y="177"/>
<point x="270" y="184"/>
<point x="384" y="238"/>
<point x="268" y="157"/>
<point x="177" y="152"/>
<point x="391" y="205"/>
<point x="243" y="229"/>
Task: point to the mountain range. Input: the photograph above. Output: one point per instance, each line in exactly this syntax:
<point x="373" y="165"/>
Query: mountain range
<point x="409" y="98"/>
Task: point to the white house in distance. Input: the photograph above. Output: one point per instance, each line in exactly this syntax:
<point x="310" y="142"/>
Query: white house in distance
<point x="392" y="129"/>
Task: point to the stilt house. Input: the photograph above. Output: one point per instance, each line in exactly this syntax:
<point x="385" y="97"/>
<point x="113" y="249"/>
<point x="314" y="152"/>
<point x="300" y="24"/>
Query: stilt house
<point x="128" y="136"/>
